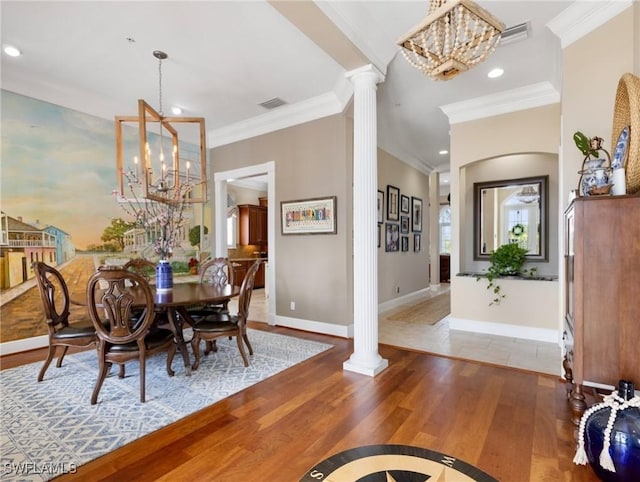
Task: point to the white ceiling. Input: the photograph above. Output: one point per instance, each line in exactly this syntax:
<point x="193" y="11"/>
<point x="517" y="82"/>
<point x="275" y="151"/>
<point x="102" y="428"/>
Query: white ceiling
<point x="225" y="58"/>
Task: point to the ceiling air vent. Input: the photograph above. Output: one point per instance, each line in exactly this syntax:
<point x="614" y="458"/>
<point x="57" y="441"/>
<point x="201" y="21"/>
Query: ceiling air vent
<point x="273" y="103"/>
<point x="515" y="33"/>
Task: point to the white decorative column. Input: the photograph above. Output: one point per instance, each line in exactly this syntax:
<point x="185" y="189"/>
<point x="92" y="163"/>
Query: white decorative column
<point x="365" y="358"/>
<point x="434" y="228"/>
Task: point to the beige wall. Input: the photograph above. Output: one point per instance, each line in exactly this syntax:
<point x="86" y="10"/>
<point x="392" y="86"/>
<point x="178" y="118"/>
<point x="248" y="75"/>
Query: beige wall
<point x="524" y="132"/>
<point x="312" y="160"/>
<point x="408" y="271"/>
<point x="592" y="67"/>
<point x="518" y="144"/>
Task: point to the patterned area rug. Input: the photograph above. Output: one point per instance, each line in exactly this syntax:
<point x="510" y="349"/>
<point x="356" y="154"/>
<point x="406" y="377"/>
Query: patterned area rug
<point x="50" y="428"/>
<point x="429" y="311"/>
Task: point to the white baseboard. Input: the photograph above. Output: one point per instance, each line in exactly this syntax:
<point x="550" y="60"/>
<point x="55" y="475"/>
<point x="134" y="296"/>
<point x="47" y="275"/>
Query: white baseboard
<point x="504" y="329"/>
<point x="315" y="326"/>
<point x="402" y="300"/>
<point x="25" y="344"/>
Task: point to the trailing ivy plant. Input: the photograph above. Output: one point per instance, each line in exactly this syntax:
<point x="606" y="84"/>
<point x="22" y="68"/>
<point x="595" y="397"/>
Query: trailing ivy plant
<point x="507" y="260"/>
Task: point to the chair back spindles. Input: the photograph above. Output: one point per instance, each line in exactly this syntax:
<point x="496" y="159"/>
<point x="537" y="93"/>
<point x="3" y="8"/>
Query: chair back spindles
<point x="217" y="272"/>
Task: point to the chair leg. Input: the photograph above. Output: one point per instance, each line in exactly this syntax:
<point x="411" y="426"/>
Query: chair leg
<point x="210" y="346"/>
<point x="142" y="375"/>
<point x="50" y="355"/>
<point x="195" y="344"/>
<point x="61" y="357"/>
<point x="170" y="355"/>
<point x="246" y="340"/>
<point x="103" y="369"/>
<point x="241" y="348"/>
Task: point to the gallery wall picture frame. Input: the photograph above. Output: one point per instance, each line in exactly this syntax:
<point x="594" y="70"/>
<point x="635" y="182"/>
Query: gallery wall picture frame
<point x="416" y="214"/>
<point x="404" y="204"/>
<point x="309" y="216"/>
<point x="392" y="237"/>
<point x="393" y="203"/>
<point x="380" y="207"/>
<point x="404" y="224"/>
<point x="405" y="243"/>
<point x="416" y="243"/>
<point x="379" y="233"/>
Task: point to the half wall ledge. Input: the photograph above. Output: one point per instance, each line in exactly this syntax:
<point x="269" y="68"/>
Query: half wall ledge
<point x="552" y="277"/>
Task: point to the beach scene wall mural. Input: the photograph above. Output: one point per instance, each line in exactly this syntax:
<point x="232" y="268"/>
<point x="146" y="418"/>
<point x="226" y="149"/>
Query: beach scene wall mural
<point x="58" y="176"/>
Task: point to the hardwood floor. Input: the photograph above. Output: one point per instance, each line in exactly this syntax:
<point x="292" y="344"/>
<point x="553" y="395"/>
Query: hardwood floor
<point x="512" y="424"/>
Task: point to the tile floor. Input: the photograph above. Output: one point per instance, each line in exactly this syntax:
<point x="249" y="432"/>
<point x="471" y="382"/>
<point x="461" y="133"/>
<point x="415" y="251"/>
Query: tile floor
<point x="439" y="339"/>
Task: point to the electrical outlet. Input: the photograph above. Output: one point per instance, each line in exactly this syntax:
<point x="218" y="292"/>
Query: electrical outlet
<point x="292" y="306"/>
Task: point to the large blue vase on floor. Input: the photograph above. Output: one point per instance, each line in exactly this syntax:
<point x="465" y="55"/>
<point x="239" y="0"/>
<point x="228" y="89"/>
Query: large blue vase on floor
<point x="164" y="276"/>
<point x="624" y="440"/>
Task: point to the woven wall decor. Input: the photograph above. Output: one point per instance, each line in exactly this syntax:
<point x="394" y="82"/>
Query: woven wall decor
<point x="627" y="113"/>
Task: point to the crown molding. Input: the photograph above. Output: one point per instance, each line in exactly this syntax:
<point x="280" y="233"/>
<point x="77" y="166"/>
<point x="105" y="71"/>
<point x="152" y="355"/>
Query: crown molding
<point x="528" y="97"/>
<point x="324" y="105"/>
<point x="583" y="17"/>
<point x="379" y="51"/>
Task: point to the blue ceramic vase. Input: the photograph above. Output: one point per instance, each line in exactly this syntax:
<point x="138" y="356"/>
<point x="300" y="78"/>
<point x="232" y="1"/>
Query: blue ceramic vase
<point x="624" y="440"/>
<point x="164" y="276"/>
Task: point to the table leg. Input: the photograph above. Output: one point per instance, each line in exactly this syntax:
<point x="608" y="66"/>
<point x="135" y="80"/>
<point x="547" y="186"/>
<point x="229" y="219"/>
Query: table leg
<point x="175" y="324"/>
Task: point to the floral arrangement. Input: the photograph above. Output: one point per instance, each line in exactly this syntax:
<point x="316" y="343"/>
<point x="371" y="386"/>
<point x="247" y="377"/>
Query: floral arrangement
<point x="193" y="263"/>
<point x="164" y="220"/>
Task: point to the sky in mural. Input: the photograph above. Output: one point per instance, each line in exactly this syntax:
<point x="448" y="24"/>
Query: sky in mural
<point x="58" y="168"/>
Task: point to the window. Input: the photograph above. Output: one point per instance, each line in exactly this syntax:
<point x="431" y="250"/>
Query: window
<point x="232" y="228"/>
<point x="444" y="221"/>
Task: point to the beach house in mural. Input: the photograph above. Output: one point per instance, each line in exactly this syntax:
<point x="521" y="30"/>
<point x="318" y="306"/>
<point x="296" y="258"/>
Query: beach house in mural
<point x="22" y="244"/>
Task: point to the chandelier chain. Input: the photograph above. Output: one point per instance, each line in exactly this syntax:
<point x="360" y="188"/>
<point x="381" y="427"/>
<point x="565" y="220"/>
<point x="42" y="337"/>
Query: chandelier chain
<point x="160" y="87"/>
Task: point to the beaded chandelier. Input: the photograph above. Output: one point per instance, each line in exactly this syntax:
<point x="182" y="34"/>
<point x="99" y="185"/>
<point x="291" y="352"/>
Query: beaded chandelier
<point x="455" y="36"/>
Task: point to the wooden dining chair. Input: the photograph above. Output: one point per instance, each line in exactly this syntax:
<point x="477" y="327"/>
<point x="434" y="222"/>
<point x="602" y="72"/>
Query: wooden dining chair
<point x="220" y="324"/>
<point x="141" y="266"/>
<point x="111" y="295"/>
<point x="56" y="304"/>
<point x="216" y="272"/>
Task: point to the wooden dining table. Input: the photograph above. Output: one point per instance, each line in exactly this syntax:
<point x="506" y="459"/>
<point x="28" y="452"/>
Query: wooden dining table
<point x="175" y="303"/>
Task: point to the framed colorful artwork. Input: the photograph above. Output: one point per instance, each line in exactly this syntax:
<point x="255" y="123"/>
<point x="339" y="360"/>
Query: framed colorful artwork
<point x="309" y="216"/>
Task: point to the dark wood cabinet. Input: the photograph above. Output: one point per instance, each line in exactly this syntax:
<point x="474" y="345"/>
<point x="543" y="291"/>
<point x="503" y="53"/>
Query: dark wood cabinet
<point x="240" y="268"/>
<point x="253" y="224"/>
<point x="602" y="285"/>
<point x="239" y="272"/>
<point x="445" y="268"/>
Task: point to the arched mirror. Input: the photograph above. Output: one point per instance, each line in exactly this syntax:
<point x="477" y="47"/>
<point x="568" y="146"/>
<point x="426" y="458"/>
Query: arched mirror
<point x="511" y="211"/>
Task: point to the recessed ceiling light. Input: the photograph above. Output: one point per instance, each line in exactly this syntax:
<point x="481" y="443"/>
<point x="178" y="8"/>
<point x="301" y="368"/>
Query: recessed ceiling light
<point x="12" y="51"/>
<point x="443" y="152"/>
<point x="176" y="110"/>
<point x="495" y="73"/>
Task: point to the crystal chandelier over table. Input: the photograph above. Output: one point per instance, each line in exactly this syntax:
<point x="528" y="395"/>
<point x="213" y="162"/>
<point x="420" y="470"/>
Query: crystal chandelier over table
<point x="455" y="36"/>
<point x="163" y="169"/>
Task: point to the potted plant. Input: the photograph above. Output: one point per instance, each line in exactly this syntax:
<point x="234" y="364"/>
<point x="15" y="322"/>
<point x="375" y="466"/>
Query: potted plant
<point x="507" y="260"/>
<point x="193" y="266"/>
